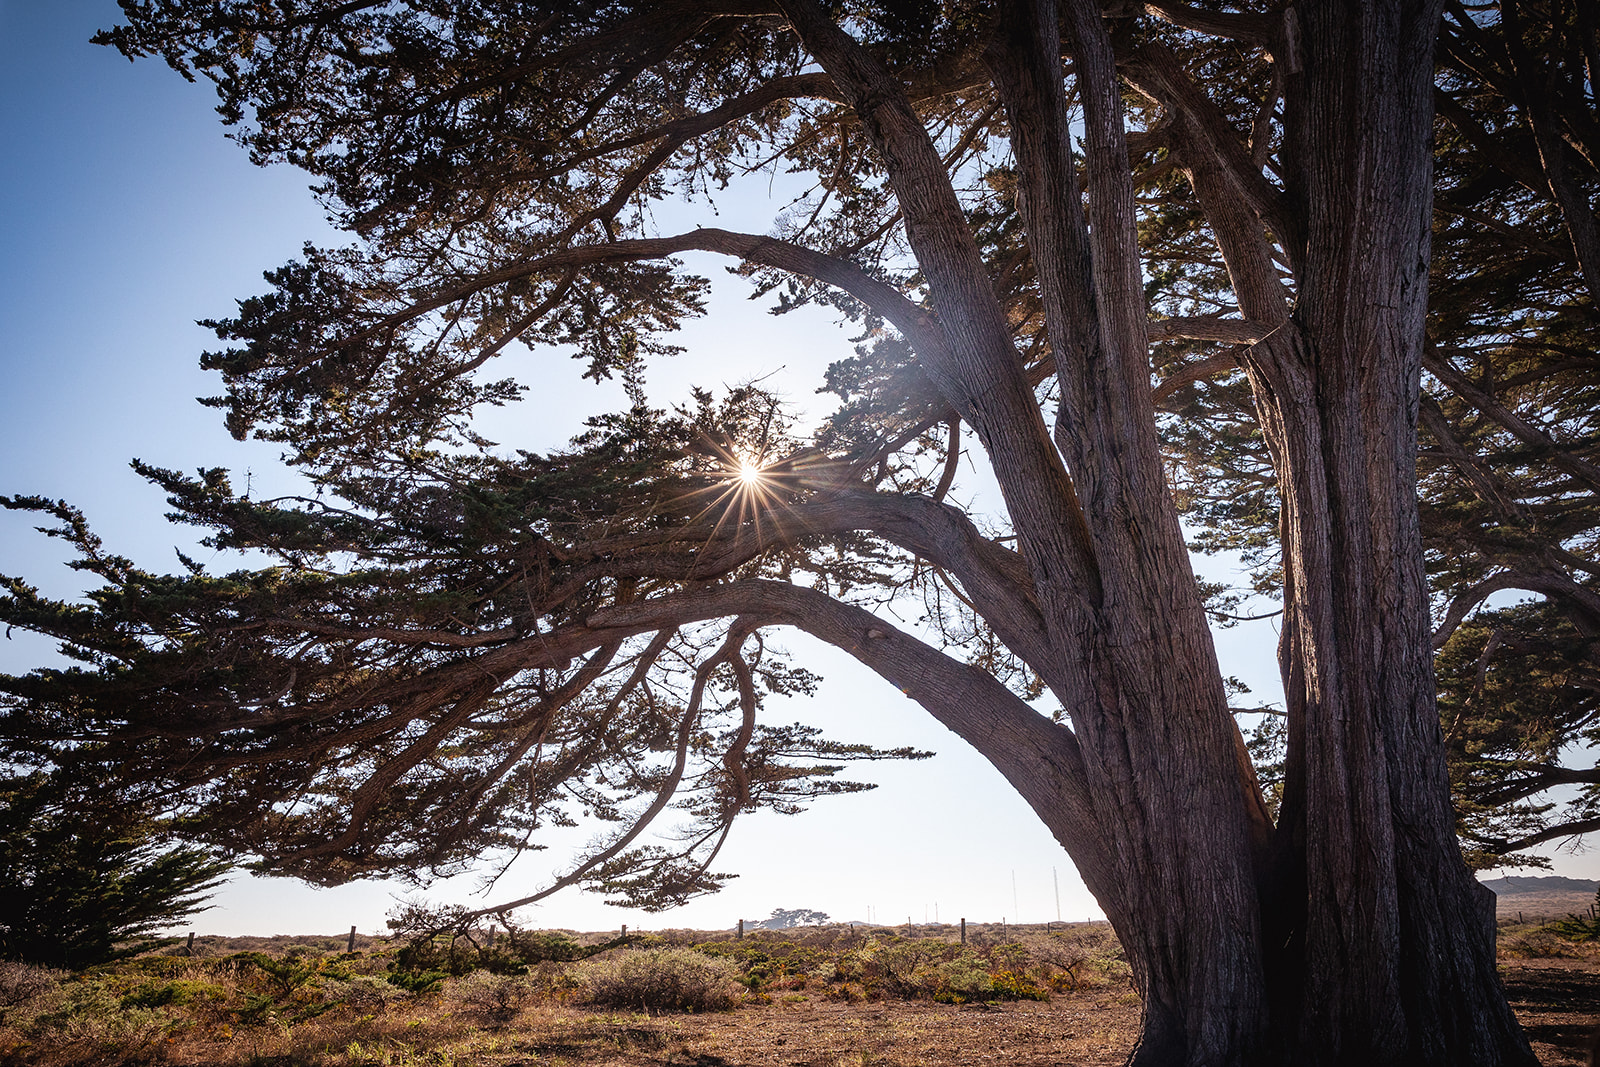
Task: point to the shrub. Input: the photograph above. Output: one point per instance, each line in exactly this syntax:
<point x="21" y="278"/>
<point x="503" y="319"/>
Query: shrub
<point x="773" y="962"/>
<point x="363" y="993"/>
<point x="177" y="992"/>
<point x="660" y="979"/>
<point x="26" y="991"/>
<point x="448" y="939"/>
<point x="1581" y="927"/>
<point x="496" y="997"/>
<point x="1541" y="942"/>
<point x="1074" y="959"/>
<point x="1011" y="985"/>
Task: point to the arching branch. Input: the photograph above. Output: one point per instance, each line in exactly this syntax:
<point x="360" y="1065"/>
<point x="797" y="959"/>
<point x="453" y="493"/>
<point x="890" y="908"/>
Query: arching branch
<point x="1039" y="757"/>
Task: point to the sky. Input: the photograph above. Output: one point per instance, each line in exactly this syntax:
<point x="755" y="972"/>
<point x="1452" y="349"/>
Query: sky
<point x="125" y="215"/>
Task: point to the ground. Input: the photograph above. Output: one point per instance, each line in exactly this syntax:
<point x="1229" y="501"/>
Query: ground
<point x="230" y="1005"/>
<point x="1558" y="1002"/>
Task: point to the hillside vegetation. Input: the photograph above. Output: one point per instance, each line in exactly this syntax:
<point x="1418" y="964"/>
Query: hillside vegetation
<point x="822" y="997"/>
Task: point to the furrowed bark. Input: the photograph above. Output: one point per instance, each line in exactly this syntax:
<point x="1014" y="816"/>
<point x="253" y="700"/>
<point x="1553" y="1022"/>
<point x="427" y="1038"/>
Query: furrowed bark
<point x="1397" y="960"/>
<point x="1189" y="837"/>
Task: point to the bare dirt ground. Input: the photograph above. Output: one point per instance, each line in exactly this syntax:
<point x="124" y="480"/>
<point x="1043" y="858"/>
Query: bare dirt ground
<point x="1558" y="1002"/>
<point x="1086" y="1030"/>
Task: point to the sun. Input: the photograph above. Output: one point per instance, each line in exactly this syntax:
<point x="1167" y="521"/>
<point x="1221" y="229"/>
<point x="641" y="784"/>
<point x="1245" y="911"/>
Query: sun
<point x="748" y="474"/>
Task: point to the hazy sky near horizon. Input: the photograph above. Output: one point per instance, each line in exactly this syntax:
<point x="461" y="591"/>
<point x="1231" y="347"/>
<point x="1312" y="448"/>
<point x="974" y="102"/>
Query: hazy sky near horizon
<point x="126" y="215"/>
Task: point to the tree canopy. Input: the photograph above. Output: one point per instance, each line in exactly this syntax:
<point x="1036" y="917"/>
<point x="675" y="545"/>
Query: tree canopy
<point x="1140" y="263"/>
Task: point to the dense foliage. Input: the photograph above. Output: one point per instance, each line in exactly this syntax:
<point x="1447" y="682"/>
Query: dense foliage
<point x="81" y="887"/>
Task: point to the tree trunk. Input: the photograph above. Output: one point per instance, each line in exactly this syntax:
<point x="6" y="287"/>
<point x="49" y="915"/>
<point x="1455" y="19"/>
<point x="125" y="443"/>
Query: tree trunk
<point x="1369" y="937"/>
<point x="1386" y="956"/>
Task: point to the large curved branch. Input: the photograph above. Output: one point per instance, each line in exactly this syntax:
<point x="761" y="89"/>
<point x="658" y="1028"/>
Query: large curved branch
<point x="1549" y="583"/>
<point x="1576" y="828"/>
<point x="1536" y="778"/>
<point x="1040" y="758"/>
<point x="994" y="577"/>
<point x="1245" y="28"/>
<point x="920" y="328"/>
<point x="1209" y="328"/>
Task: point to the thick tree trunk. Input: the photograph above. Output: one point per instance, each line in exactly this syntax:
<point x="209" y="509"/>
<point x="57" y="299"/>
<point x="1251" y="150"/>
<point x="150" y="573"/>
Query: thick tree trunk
<point x="1159" y="742"/>
<point x="1379" y="954"/>
<point x="1387" y="956"/>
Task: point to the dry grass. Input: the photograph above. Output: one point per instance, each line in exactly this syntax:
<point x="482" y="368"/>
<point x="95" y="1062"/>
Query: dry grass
<point x="819" y="998"/>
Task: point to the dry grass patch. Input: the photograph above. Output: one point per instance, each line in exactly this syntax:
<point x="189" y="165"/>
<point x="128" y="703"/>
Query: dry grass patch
<point x="819" y="998"/>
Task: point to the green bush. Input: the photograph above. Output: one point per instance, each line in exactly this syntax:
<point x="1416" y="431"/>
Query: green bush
<point x="448" y="939"/>
<point x="924" y="968"/>
<point x="660" y="979"/>
<point x="1012" y="985"/>
<point x="364" y="994"/>
<point x="770" y="962"/>
<point x="177" y="992"/>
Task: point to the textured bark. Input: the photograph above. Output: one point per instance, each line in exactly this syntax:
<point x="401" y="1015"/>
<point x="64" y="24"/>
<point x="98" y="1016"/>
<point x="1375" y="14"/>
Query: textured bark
<point x="1392" y="961"/>
<point x="1157" y="722"/>
<point x="1357" y="914"/>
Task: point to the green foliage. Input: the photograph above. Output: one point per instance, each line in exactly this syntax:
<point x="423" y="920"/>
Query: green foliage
<point x="177" y="992"/>
<point x="1514" y="700"/>
<point x="417" y="981"/>
<point x="1581" y="927"/>
<point x="82" y="883"/>
<point x="771" y="962"/>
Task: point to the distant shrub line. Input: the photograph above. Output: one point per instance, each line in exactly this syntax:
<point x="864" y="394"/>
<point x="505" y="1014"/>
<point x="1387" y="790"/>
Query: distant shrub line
<point x="142" y="1010"/>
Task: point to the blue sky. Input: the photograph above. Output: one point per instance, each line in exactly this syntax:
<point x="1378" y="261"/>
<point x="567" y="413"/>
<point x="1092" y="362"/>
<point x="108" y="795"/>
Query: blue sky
<point x="126" y="215"/>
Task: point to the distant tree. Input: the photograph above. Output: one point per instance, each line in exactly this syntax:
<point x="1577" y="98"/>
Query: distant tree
<point x="788" y="918"/>
<point x="1052" y="225"/>
<point x="83" y="887"/>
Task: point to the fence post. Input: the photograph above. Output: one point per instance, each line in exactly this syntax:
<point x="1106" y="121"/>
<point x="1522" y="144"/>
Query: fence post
<point x="963" y="929"/>
<point x="189" y="948"/>
<point x="741" y="930"/>
<point x="350" y="945"/>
